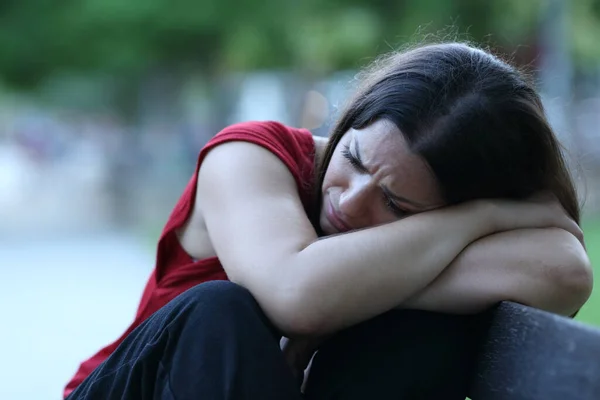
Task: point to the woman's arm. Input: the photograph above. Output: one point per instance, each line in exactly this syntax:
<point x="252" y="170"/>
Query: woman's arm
<point x="543" y="268"/>
<point x="265" y="242"/>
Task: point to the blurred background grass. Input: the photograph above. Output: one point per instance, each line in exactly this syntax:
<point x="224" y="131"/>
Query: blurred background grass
<point x="590" y="313"/>
<point x="104" y="105"/>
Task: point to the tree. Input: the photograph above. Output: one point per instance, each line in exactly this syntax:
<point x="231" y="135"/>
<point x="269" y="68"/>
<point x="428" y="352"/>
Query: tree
<point x="38" y="38"/>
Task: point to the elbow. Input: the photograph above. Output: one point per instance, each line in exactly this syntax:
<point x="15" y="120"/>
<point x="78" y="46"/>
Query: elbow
<point x="302" y="326"/>
<point x="289" y="300"/>
<point x="294" y="319"/>
<point x="574" y="280"/>
<point x="297" y="313"/>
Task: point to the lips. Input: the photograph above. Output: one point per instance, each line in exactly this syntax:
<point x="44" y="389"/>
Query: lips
<point x="334" y="219"/>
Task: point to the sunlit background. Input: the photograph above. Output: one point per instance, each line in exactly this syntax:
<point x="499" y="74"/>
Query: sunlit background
<point x="104" y="105"/>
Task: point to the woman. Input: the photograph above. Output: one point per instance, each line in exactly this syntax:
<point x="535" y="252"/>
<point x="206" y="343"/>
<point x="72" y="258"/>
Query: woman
<point x="425" y="202"/>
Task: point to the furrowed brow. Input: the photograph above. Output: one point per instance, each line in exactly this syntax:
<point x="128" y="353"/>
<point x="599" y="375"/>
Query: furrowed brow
<point x="386" y="190"/>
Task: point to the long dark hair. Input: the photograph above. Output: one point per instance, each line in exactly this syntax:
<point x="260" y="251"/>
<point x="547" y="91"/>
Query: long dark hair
<point x="477" y="121"/>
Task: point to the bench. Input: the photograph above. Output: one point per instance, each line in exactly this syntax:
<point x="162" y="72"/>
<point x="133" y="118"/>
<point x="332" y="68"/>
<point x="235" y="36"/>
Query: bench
<point x="528" y="354"/>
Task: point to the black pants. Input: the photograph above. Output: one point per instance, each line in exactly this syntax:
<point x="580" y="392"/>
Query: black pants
<point x="214" y="342"/>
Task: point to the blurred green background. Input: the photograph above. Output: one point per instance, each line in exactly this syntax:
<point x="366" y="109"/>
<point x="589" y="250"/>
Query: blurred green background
<point x="590" y="313"/>
<point x="104" y="105"/>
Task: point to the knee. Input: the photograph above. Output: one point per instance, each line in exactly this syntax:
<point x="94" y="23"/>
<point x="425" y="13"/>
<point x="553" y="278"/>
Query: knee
<point x="222" y="305"/>
<point x="218" y="295"/>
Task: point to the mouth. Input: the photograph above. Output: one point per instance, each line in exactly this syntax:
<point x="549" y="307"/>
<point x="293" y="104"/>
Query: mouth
<point x="334" y="219"/>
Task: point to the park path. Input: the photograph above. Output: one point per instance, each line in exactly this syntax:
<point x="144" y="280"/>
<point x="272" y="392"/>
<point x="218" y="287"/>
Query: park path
<point x="61" y="299"/>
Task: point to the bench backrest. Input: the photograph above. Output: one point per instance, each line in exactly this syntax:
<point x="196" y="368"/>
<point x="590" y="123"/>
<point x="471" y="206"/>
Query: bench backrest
<point x="528" y="354"/>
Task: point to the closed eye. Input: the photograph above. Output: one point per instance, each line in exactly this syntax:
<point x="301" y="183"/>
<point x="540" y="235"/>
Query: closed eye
<point x="358" y="165"/>
<point x="398" y="212"/>
<point x="354" y="161"/>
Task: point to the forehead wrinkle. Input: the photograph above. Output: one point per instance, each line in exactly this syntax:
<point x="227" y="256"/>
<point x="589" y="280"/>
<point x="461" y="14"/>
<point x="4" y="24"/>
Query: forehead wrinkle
<point x="385" y="157"/>
<point x="382" y="160"/>
<point x="377" y="167"/>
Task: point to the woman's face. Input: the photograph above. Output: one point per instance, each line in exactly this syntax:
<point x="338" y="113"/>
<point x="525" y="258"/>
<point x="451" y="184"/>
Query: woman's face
<point x="373" y="179"/>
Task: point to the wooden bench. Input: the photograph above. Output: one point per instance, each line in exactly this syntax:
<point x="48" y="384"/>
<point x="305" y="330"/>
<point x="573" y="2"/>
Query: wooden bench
<point x="528" y="354"/>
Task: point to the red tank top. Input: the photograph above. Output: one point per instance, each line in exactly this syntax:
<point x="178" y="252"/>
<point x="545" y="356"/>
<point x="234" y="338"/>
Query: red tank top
<point x="175" y="270"/>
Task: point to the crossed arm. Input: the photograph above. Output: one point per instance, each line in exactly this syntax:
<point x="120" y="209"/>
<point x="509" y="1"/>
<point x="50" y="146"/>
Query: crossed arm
<point x="457" y="259"/>
<point x="543" y="268"/>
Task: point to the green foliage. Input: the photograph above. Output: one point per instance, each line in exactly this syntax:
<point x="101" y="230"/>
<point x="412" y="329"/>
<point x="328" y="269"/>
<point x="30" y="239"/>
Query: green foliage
<point x="590" y="313"/>
<point x="40" y="37"/>
<point x="585" y="23"/>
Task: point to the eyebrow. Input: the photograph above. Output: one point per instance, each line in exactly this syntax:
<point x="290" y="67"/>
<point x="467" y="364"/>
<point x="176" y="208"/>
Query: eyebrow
<point x="385" y="189"/>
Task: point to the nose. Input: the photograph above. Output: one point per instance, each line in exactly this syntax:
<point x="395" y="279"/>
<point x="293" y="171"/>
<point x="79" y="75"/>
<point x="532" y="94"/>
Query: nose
<point x="355" y="199"/>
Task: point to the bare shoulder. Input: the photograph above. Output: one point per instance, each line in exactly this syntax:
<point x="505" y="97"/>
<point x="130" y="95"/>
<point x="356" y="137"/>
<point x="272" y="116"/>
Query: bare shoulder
<point x="234" y="176"/>
<point x="233" y="165"/>
<point x="247" y="202"/>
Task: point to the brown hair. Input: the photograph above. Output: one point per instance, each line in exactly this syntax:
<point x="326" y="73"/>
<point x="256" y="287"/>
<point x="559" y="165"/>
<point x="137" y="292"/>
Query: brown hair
<point x="477" y="121"/>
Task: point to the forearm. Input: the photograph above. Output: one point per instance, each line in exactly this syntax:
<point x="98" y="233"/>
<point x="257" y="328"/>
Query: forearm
<point x="542" y="268"/>
<point x="355" y="276"/>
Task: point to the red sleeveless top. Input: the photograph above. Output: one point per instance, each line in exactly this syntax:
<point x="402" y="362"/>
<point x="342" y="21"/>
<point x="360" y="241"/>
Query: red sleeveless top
<point x="175" y="270"/>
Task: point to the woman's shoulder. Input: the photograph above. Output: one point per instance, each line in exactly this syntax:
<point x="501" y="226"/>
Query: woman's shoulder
<point x="295" y="147"/>
<point x="235" y="160"/>
<point x="270" y="132"/>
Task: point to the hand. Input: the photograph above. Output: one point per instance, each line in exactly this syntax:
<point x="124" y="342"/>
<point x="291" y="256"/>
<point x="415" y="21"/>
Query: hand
<point x="298" y="354"/>
<point x="540" y="211"/>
